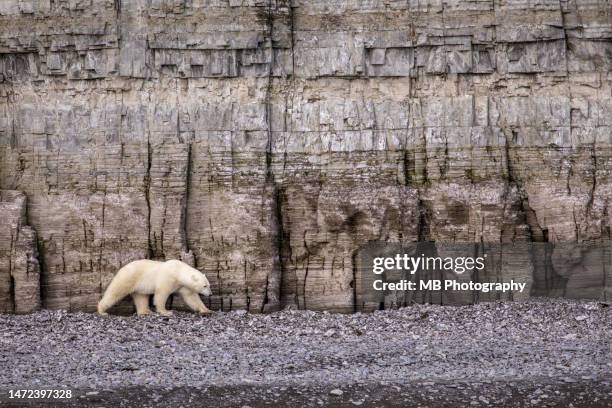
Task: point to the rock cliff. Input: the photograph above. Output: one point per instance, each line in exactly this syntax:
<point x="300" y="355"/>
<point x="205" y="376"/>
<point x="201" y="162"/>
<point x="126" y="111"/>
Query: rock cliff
<point x="268" y="142"/>
<point x="19" y="267"/>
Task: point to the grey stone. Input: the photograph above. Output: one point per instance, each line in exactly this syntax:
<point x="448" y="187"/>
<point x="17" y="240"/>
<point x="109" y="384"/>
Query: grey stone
<point x="267" y="143"/>
<point x="19" y="266"/>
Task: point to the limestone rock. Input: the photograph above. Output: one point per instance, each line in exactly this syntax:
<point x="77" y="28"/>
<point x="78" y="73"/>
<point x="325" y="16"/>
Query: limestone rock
<point x="19" y="267"/>
<point x="273" y="140"/>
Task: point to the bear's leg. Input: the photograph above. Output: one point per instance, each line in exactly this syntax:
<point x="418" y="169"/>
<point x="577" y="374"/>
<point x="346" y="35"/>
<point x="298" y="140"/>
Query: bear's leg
<point x="159" y="299"/>
<point x="109" y="299"/>
<point x="193" y="301"/>
<point x="102" y="309"/>
<point x="142" y="303"/>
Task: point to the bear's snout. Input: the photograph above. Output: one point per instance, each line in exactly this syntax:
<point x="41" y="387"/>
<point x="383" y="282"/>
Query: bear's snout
<point x="206" y="291"/>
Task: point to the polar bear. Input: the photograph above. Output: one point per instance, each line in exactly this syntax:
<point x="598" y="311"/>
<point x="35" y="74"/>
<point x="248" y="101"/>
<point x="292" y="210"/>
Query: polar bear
<point x="145" y="277"/>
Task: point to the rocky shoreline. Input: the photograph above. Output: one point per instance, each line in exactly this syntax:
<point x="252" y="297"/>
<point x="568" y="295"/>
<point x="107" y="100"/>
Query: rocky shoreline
<point x="502" y="352"/>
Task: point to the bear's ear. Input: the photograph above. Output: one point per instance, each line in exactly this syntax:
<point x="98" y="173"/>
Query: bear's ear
<point x="194" y="278"/>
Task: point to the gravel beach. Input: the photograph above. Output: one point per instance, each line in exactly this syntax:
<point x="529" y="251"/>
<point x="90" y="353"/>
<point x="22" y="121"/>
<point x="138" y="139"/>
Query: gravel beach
<point x="538" y="352"/>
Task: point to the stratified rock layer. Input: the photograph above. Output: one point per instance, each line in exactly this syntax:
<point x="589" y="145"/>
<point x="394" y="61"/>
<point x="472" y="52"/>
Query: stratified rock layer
<point x="19" y="268"/>
<point x="270" y="141"/>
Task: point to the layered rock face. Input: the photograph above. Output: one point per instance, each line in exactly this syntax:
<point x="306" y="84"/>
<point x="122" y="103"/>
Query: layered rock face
<point x="19" y="268"/>
<point x="269" y="142"/>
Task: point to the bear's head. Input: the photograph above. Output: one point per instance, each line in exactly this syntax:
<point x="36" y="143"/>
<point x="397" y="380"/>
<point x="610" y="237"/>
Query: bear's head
<point x="199" y="283"/>
<point x="189" y="277"/>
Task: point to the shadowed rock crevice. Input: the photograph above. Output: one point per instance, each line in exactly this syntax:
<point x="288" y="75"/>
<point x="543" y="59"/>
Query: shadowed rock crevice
<point x="147" y="187"/>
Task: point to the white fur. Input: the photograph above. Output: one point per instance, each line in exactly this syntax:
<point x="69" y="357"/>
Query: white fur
<point x="145" y="277"/>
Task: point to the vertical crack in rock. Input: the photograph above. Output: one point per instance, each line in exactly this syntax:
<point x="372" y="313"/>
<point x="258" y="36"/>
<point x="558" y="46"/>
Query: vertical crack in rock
<point x="536" y="232"/>
<point x="423" y="230"/>
<point x="445" y="162"/>
<point x="220" y="285"/>
<point x="268" y="97"/>
<point x="305" y="281"/>
<point x="102" y="244"/>
<point x="11" y="295"/>
<point x="566" y="44"/>
<point x="117" y="5"/>
<point x="246" y="287"/>
<point x="13" y="138"/>
<point x="147" y="185"/>
<point x="570" y="174"/>
<point x="407" y="172"/>
<point x="424" y="213"/>
<point x="425" y="161"/>
<point x="42" y="279"/>
<point x="282" y="240"/>
<point x="272" y="294"/>
<point x="292" y="33"/>
<point x="509" y="168"/>
<point x="354" y="281"/>
<point x="593" y="187"/>
<point x="266" y="300"/>
<point x="184" y="203"/>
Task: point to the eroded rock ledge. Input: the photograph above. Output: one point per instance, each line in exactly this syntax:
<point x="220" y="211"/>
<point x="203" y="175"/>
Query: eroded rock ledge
<point x="273" y="140"/>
